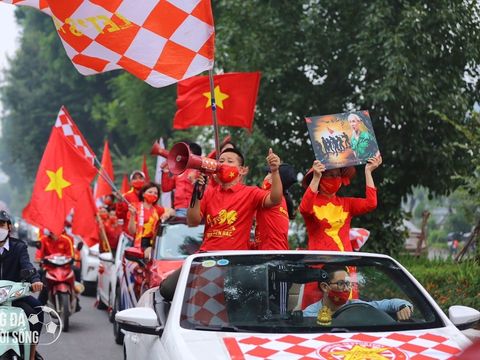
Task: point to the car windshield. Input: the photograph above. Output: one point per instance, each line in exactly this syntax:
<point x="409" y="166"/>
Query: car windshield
<point x="177" y="241"/>
<point x="270" y="293"/>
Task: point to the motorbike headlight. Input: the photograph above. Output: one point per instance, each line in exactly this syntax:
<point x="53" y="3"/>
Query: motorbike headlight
<point x="60" y="260"/>
<point x="4" y="291"/>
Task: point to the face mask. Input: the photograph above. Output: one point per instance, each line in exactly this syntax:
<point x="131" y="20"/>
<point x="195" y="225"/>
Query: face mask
<point x="103" y="216"/>
<point x="339" y="297"/>
<point x="227" y="173"/>
<point x="267" y="185"/>
<point x="330" y="185"/>
<point x="3" y="235"/>
<point x="138" y="183"/>
<point x="150" y="198"/>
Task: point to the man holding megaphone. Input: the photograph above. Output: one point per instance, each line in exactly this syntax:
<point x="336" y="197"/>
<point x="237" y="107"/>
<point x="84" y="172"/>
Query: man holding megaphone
<point x="229" y="209"/>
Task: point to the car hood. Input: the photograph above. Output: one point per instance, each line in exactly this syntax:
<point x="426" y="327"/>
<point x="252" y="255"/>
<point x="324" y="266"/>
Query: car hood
<point x="443" y="343"/>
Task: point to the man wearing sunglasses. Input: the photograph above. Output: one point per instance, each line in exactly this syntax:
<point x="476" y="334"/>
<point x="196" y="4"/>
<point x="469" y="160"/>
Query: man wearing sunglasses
<point x="336" y="287"/>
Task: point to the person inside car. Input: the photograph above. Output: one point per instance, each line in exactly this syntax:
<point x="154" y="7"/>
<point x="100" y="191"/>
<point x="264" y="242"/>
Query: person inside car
<point x="328" y="216"/>
<point x="228" y="209"/>
<point x="182" y="183"/>
<point x="144" y="217"/>
<point x="336" y="288"/>
<point x="137" y="181"/>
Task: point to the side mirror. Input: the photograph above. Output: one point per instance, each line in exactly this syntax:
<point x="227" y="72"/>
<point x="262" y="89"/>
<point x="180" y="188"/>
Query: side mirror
<point x="106" y="256"/>
<point x="80" y="245"/>
<point x="463" y="317"/>
<point x="134" y="254"/>
<point x="26" y="274"/>
<point x="142" y="320"/>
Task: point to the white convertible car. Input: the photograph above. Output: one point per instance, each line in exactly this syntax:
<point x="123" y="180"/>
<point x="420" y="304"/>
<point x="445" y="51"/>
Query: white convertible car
<point x="255" y="305"/>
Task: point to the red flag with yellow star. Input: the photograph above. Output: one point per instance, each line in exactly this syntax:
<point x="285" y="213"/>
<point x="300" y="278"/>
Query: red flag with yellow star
<point x="235" y="96"/>
<point x="104" y="188"/>
<point x="62" y="176"/>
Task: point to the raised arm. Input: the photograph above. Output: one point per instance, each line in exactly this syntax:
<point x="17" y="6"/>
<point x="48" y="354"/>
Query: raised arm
<point x="131" y="221"/>
<point x="306" y="205"/>
<point x="372" y="164"/>
<point x="275" y="196"/>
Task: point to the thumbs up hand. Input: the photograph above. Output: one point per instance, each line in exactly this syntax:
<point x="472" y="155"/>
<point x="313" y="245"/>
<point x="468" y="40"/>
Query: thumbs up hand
<point x="273" y="160"/>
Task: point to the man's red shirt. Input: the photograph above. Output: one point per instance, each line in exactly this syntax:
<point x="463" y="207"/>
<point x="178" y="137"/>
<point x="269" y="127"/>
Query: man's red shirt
<point x="183" y="185"/>
<point x="271" y="232"/>
<point x="328" y="219"/>
<point x="63" y="245"/>
<point x="228" y="215"/>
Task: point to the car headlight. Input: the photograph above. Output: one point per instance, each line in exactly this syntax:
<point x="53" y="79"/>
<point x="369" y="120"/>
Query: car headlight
<point x="4" y="291"/>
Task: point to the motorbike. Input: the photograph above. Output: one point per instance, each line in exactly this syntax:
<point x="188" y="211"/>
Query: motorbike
<point x="15" y="334"/>
<point x="63" y="290"/>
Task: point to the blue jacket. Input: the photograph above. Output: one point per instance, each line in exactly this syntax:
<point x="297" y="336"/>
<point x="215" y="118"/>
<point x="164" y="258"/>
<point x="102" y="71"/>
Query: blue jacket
<point x="387" y="305"/>
<point x="15" y="259"/>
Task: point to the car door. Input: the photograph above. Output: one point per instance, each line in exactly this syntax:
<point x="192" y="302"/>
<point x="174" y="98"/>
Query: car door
<point x="105" y="269"/>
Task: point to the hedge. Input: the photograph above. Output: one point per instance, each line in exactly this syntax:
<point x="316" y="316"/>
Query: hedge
<point x="449" y="283"/>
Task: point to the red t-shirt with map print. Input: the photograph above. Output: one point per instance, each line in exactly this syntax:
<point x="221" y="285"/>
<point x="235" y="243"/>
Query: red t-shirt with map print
<point x="228" y="215"/>
<point x="328" y="219"/>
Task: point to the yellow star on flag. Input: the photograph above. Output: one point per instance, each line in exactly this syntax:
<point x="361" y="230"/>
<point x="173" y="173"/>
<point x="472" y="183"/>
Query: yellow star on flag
<point x="359" y="352"/>
<point x="57" y="182"/>
<point x="219" y="97"/>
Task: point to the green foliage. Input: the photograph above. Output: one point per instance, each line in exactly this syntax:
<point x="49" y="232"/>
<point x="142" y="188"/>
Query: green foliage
<point x="447" y="282"/>
<point x="437" y="236"/>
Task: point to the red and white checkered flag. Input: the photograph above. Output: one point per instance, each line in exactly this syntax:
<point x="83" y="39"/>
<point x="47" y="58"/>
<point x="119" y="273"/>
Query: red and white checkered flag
<point x="358" y="237"/>
<point x="73" y="134"/>
<point x="158" y="41"/>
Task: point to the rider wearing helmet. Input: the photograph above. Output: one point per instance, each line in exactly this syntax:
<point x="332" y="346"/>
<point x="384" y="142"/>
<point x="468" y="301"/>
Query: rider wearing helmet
<point x="14" y="258"/>
<point x="52" y="244"/>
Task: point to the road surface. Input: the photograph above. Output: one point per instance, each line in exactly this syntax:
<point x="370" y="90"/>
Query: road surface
<point x="90" y="337"/>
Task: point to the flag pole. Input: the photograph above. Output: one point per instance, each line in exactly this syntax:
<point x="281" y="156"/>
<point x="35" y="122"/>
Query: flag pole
<point x="109" y="181"/>
<point x="214" y="112"/>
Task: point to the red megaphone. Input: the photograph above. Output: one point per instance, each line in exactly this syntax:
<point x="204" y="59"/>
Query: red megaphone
<point x="158" y="150"/>
<point x="180" y="158"/>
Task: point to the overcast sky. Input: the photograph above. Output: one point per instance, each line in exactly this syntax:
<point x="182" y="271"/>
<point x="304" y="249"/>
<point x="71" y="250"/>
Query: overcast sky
<point x="8" y="33"/>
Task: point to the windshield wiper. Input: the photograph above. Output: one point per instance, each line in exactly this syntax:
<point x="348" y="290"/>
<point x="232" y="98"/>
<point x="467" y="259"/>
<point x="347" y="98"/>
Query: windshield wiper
<point x="227" y="328"/>
<point x="339" y="330"/>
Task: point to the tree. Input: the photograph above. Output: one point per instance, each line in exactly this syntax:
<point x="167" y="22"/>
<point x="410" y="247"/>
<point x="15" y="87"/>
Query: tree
<point x="399" y="59"/>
